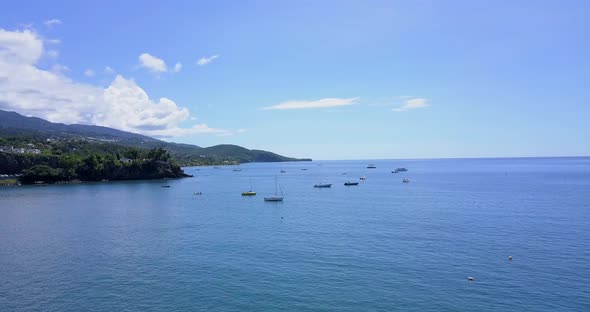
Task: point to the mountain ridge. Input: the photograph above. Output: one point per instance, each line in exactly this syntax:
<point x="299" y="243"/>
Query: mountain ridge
<point x="13" y="124"/>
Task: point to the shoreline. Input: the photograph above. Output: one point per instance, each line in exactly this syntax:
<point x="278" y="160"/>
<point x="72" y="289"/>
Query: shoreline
<point x="76" y="181"/>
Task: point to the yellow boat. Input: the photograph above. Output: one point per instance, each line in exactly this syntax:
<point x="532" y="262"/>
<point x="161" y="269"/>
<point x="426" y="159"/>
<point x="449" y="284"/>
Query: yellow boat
<point x="250" y="192"/>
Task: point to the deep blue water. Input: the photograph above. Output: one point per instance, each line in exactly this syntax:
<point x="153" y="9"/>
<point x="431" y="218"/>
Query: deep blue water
<point x="380" y="246"/>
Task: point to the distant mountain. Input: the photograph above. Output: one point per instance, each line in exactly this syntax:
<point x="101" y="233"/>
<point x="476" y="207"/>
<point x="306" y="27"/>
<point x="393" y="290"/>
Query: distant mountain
<point x="13" y="124"/>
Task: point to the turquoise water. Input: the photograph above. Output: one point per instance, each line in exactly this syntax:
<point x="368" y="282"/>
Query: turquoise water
<point x="380" y="246"/>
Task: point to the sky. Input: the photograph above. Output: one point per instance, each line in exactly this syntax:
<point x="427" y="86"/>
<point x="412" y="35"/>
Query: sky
<point x="318" y="79"/>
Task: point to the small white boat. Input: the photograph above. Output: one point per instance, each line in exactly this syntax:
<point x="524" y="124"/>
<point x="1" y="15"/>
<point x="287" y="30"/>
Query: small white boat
<point x="275" y="197"/>
<point x="283" y="171"/>
<point x="406" y="180"/>
<point x="363" y="178"/>
<point x="371" y="166"/>
<point x="323" y="185"/>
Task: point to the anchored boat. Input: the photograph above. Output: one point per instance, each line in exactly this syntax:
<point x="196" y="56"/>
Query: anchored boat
<point x="275" y="197"/>
<point x="250" y="192"/>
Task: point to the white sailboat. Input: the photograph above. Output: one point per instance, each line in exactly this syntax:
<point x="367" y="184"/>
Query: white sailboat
<point x="275" y="197"/>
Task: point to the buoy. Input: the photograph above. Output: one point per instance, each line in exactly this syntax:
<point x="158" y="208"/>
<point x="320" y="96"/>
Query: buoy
<point x="470" y="279"/>
<point x="510" y="258"/>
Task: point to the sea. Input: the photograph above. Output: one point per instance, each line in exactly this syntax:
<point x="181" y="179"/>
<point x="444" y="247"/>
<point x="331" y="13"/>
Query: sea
<point x="382" y="245"/>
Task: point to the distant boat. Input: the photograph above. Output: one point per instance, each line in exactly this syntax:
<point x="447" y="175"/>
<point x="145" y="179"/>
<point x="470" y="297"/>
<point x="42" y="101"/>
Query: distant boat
<point x="323" y="185"/>
<point x="363" y="178"/>
<point x="250" y="192"/>
<point x="216" y="167"/>
<point x="351" y="183"/>
<point x="283" y="171"/>
<point x="371" y="166"/>
<point x="303" y="168"/>
<point x="399" y="170"/>
<point x="406" y="180"/>
<point x="275" y="197"/>
<point x="165" y="186"/>
<point x="237" y="168"/>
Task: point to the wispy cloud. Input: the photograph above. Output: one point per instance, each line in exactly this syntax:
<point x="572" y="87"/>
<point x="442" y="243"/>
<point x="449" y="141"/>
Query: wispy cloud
<point x="52" y="22"/>
<point x="156" y="64"/>
<point x="322" y="103"/>
<point x="177" y="67"/>
<point x="412" y="104"/>
<point x="152" y="63"/>
<point x="206" y="60"/>
<point x="109" y="70"/>
<point x="89" y="73"/>
<point x="53" y="53"/>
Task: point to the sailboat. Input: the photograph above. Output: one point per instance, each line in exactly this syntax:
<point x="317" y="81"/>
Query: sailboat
<point x="237" y="168"/>
<point x="250" y="192"/>
<point x="275" y="197"/>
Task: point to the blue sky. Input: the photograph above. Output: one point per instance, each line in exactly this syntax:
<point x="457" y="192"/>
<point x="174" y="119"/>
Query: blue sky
<point x="392" y="79"/>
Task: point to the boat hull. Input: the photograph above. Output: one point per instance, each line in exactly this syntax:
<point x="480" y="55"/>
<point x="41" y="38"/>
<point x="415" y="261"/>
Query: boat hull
<point x="248" y="193"/>
<point x="273" y="198"/>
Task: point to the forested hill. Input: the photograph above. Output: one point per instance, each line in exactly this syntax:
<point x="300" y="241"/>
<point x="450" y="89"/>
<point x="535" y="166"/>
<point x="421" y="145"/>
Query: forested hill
<point x="36" y="130"/>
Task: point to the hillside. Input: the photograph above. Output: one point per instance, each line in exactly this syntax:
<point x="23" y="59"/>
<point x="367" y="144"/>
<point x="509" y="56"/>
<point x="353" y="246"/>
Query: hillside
<point x="35" y="130"/>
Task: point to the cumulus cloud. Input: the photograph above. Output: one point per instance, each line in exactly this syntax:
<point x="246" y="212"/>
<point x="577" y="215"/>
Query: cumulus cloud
<point x="206" y="60"/>
<point x="322" y="103"/>
<point x="89" y="73"/>
<point x="412" y="104"/>
<point x="52" y="22"/>
<point x="50" y="94"/>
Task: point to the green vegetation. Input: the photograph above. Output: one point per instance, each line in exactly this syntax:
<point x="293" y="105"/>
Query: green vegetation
<point x="80" y="160"/>
<point x="8" y="182"/>
<point x="53" y="152"/>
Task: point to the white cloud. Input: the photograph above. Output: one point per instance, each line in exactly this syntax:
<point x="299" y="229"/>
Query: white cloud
<point x="323" y="103"/>
<point x="89" y="73"/>
<point x="53" y="41"/>
<point x="20" y="47"/>
<point x="206" y="60"/>
<point x="412" y="104"/>
<point x="152" y="63"/>
<point x="157" y="65"/>
<point x="109" y="70"/>
<point x="177" y="67"/>
<point x="52" y="22"/>
<point x="59" y="69"/>
<point x="30" y="90"/>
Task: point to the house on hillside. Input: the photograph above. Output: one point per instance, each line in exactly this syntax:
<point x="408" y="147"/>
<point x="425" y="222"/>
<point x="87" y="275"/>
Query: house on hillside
<point x="125" y="160"/>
